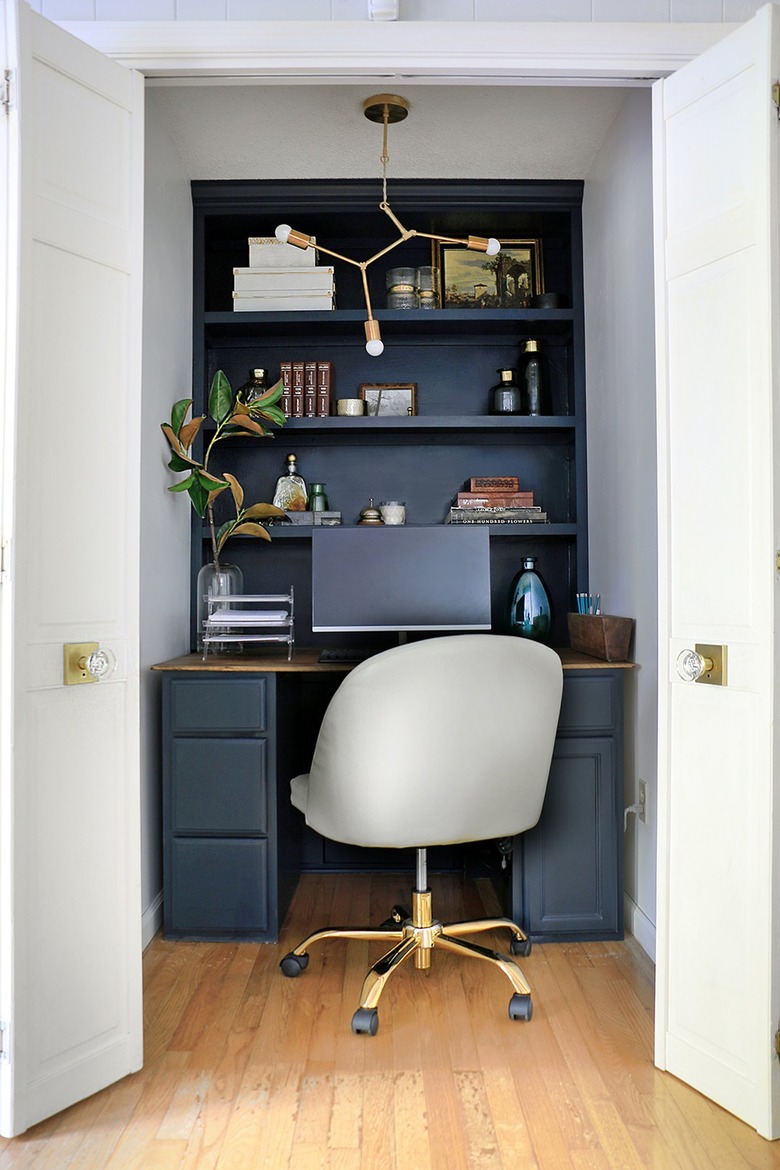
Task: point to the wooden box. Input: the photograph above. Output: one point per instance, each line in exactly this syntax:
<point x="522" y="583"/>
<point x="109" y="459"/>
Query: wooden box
<point x="601" y="635"/>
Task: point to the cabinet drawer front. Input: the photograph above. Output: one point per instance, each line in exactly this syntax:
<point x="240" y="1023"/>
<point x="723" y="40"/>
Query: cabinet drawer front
<point x="219" y="887"/>
<point x="219" y="704"/>
<point x="590" y="703"/>
<point x="219" y="786"/>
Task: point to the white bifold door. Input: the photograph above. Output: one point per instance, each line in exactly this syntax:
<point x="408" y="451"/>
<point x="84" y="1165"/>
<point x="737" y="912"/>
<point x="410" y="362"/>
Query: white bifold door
<point x="716" y="136"/>
<point x="71" y="168"/>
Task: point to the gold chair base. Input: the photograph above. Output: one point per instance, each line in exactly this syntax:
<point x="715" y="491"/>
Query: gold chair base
<point x="417" y="934"/>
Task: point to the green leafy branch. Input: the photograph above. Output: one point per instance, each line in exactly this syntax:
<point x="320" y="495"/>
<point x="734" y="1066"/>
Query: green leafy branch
<point x="232" y="417"/>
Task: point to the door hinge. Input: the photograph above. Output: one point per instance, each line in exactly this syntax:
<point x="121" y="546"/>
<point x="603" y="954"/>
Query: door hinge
<point x="4" y="1053"/>
<point x="7" y="92"/>
<point x="776" y="97"/>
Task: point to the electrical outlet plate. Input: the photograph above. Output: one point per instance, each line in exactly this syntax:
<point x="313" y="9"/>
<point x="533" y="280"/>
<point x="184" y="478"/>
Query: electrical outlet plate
<point x="643" y="801"/>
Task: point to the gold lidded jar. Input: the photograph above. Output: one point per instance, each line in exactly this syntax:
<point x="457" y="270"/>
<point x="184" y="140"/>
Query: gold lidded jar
<point x="506" y="396"/>
<point x="254" y="388"/>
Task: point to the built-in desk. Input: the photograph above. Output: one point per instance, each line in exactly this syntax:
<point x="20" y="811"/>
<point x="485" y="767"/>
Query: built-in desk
<point x="236" y="728"/>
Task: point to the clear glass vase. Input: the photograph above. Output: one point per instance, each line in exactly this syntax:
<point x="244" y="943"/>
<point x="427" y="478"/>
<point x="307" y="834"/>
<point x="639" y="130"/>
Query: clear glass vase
<point x="212" y="582"/>
<point x="529" y="610"/>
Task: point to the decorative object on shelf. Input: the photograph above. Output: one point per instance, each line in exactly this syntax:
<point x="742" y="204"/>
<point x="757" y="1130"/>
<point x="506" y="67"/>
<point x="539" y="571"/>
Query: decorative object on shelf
<point x="509" y="280"/>
<point x="228" y="626"/>
<point x="268" y="252"/>
<point x="254" y="389"/>
<point x="216" y="583"/>
<point x="529" y="610"/>
<point x="291" y="494"/>
<point x="548" y="300"/>
<point x="306" y="388"/>
<point x="601" y="635"/>
<point x="402" y="288"/>
<point x="389" y="398"/>
<point x="385" y="108"/>
<point x="318" y="501"/>
<point x="370" y="515"/>
<point x="428" y="287"/>
<point x="495" y="500"/>
<point x="232" y="417"/>
<point x="393" y="512"/>
<point x="505" y="396"/>
<point x="350" y="407"/>
<point x="534" y="379"/>
<point x="302" y="519"/>
<point x="283" y="290"/>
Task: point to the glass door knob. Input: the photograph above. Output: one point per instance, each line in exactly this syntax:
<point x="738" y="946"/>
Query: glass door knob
<point x="101" y="663"/>
<point x="691" y="664"/>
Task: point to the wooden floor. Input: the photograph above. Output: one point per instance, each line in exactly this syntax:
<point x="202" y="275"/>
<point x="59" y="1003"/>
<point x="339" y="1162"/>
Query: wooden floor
<point x="247" y="1070"/>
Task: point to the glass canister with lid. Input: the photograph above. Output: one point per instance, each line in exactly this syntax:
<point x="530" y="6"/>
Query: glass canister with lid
<point x="402" y="288"/>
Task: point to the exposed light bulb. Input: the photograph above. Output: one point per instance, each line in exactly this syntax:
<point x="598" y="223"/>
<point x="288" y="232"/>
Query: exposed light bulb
<point x="375" y="347"/>
<point x="282" y="233"/>
<point x="492" y="249"/>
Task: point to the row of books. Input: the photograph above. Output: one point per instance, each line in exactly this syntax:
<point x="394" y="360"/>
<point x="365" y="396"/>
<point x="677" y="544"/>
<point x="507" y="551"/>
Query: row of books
<point x="282" y="278"/>
<point x="306" y="388"/>
<point x="495" y="500"/>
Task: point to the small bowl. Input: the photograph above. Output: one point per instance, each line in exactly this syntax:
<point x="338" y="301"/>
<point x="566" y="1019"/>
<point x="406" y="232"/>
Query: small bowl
<point x="350" y="406"/>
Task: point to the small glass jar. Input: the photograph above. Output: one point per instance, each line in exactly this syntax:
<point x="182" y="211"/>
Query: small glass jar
<point x="401" y="286"/>
<point x="428" y="287"/>
<point x="318" y="501"/>
<point x="506" y="396"/>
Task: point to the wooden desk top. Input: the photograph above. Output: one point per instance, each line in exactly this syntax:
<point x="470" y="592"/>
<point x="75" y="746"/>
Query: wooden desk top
<point x="305" y="660"/>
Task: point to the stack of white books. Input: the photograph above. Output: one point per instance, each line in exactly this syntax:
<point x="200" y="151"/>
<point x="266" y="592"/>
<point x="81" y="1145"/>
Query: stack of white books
<point x="282" y="278"/>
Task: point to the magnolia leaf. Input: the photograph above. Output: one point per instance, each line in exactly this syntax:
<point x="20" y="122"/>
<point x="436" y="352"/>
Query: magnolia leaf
<point x="274" y="414"/>
<point x="240" y="407"/>
<point x="209" y="481"/>
<point x="179" y="413"/>
<point x="184" y="485"/>
<point x="223" y="532"/>
<point x="269" y="398"/>
<point x="187" y="433"/>
<point x="199" y="496"/>
<point x="240" y="433"/>
<point x="220" y="397"/>
<point x="249" y="424"/>
<point x="264" y="510"/>
<point x="251" y="529"/>
<point x="173" y="439"/>
<point x="216" y="492"/>
<point x="236" y="489"/>
<point x="181" y="463"/>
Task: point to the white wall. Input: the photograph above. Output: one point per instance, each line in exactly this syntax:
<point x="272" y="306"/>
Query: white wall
<point x="165" y="542"/>
<point x="408" y="10"/>
<point x="618" y="224"/>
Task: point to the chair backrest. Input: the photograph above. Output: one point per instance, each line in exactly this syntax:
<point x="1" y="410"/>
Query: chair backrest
<point x="434" y="742"/>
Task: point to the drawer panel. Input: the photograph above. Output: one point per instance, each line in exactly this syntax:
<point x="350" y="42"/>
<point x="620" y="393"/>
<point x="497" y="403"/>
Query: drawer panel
<point x="219" y="887"/>
<point x="590" y="702"/>
<point x="219" y="786"/>
<point x="219" y="704"/>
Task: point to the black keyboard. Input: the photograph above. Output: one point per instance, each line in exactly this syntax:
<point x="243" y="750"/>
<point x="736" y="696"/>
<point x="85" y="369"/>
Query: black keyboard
<point x="344" y="655"/>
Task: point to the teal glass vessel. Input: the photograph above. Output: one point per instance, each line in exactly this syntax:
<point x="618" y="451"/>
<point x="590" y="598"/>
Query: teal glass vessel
<point x="529" y="609"/>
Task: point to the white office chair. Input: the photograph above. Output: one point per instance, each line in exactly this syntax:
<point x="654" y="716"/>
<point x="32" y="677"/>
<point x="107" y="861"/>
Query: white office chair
<point x="435" y="742"/>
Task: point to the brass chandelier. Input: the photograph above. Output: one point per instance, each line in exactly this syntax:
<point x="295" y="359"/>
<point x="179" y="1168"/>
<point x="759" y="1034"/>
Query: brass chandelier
<point x="386" y="108"/>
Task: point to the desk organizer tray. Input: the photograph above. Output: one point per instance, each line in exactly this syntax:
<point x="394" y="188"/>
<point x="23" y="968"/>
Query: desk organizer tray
<point x="601" y="635"/>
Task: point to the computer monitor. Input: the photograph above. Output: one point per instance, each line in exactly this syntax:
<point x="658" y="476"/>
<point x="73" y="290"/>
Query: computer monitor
<point x="401" y="578"/>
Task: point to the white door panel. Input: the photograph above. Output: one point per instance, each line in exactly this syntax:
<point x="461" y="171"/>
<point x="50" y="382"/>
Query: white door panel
<point x="717" y="993"/>
<point x="70" y="913"/>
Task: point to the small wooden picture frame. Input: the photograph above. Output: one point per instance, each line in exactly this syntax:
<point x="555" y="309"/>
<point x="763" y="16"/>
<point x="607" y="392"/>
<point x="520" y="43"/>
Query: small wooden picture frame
<point x="389" y="399"/>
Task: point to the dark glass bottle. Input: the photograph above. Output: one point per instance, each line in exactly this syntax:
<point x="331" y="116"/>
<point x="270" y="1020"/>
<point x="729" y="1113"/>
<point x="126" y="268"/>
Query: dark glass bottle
<point x="534" y="379"/>
<point x="254" y="388"/>
<point x="529" y="609"/>
<point x="506" y="396"/>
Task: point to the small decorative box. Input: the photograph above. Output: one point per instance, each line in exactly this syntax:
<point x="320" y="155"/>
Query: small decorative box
<point x="601" y="635"/>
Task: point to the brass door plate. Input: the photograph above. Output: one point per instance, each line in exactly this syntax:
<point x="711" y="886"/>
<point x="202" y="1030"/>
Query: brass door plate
<point x="74" y="662"/>
<point x="716" y="676"/>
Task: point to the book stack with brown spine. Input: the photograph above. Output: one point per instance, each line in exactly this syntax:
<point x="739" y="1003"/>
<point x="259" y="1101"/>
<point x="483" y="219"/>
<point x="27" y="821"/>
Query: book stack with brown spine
<point x="306" y="388"/>
<point x="495" y="499"/>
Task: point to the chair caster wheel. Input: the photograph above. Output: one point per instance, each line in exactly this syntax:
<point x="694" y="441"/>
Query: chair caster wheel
<point x="521" y="946"/>
<point x="365" y="1021"/>
<point x="293" y="964"/>
<point x="520" y="1007"/>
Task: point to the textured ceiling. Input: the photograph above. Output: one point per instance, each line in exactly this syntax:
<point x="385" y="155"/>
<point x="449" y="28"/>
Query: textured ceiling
<point x="276" y="132"/>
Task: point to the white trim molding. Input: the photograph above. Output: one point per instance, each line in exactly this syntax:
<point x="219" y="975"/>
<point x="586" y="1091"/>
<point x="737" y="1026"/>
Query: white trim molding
<point x="638" y="924"/>
<point x="312" y="52"/>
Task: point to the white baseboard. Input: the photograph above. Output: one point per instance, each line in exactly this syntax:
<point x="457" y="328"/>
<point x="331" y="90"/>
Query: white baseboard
<point x="151" y="920"/>
<point x="640" y="926"/>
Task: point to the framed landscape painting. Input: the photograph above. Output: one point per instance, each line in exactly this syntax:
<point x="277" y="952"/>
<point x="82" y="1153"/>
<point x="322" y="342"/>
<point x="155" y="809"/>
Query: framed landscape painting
<point x="474" y="280"/>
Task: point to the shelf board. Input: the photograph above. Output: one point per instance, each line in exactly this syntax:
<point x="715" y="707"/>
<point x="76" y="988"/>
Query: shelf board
<point x="396" y="323"/>
<point x="534" y="531"/>
<point x="418" y="422"/>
